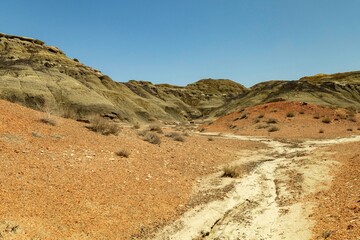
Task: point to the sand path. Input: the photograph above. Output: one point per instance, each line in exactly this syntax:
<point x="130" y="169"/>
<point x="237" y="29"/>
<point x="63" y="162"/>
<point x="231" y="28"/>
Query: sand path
<point x="266" y="203"/>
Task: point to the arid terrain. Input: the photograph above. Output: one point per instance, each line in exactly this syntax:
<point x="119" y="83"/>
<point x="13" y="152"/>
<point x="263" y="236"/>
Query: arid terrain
<point x="85" y="157"/>
<point x="62" y="181"/>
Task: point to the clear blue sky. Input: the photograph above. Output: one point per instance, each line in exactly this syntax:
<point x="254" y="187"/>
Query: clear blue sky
<point x="182" y="41"/>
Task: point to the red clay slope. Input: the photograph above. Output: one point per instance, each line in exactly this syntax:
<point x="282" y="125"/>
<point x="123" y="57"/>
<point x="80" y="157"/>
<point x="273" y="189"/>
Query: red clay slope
<point x="292" y="120"/>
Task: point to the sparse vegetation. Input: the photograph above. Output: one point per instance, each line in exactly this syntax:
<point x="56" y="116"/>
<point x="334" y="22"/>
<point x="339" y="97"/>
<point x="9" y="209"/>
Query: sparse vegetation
<point x="261" y="115"/>
<point x="349" y="129"/>
<point x="272" y="121"/>
<point x="48" y="120"/>
<point x="273" y="129"/>
<point x="211" y="139"/>
<point x="152" y="138"/>
<point x="302" y="112"/>
<point x="351" y="119"/>
<point x="261" y="126"/>
<point x="232" y="171"/>
<point x="244" y="115"/>
<point x="136" y="126"/>
<point x="102" y="126"/>
<point x="257" y="120"/>
<point x="123" y="153"/>
<point x="326" y="120"/>
<point x="155" y="128"/>
<point x="290" y="115"/>
<point x="321" y="131"/>
<point x="317" y="116"/>
<point x="175" y="136"/>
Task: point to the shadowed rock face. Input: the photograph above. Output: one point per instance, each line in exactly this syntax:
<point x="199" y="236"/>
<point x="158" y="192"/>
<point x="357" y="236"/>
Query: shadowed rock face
<point x="43" y="77"/>
<point x="40" y="76"/>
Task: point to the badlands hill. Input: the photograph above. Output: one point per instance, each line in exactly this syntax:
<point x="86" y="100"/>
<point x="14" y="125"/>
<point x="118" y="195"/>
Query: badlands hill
<point x="43" y="77"/>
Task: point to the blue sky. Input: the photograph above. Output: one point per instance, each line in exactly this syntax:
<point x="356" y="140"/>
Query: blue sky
<point x="182" y="41"/>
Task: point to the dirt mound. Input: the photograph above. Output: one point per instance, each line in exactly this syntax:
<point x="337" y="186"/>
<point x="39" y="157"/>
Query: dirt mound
<point x="289" y="120"/>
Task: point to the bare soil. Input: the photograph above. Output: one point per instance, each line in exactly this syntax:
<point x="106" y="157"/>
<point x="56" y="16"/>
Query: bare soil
<point x="67" y="182"/>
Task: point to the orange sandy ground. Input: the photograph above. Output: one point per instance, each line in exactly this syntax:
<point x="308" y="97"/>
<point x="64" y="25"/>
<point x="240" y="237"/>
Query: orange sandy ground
<point x="65" y="182"/>
<point x="338" y="213"/>
<point x="300" y="126"/>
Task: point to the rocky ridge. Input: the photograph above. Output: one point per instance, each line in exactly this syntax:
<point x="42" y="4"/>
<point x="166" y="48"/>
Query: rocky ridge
<point x="43" y="77"/>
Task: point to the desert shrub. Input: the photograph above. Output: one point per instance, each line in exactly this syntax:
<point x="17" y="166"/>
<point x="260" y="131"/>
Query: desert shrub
<point x="48" y="120"/>
<point x="211" y="139"/>
<point x="102" y="126"/>
<point x="257" y="120"/>
<point x="273" y="129"/>
<point x="142" y="133"/>
<point x="244" y="115"/>
<point x="136" y="126"/>
<point x="326" y="120"/>
<point x="186" y="134"/>
<point x="271" y="121"/>
<point x="232" y="171"/>
<point x="123" y="153"/>
<point x="351" y="119"/>
<point x="358" y="128"/>
<point x="152" y="138"/>
<point x="321" y="131"/>
<point x="273" y="110"/>
<point x="301" y="112"/>
<point x="261" y="115"/>
<point x="261" y="126"/>
<point x="317" y="116"/>
<point x="290" y="115"/>
<point x="155" y="128"/>
<point x="349" y="129"/>
<point x="232" y="126"/>
<point x="175" y="136"/>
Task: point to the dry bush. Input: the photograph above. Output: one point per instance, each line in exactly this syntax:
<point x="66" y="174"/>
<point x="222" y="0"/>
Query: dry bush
<point x="175" y="136"/>
<point x="152" y="138"/>
<point x="317" y="116"/>
<point x="232" y="171"/>
<point x="349" y="129"/>
<point x="272" y="121"/>
<point x="102" y="126"/>
<point x="351" y="119"/>
<point x="326" y="120"/>
<point x="136" y="126"/>
<point x="244" y="115"/>
<point x="48" y="120"/>
<point x="301" y="112"/>
<point x="273" y="129"/>
<point x="123" y="153"/>
<point x="261" y="126"/>
<point x="261" y="115"/>
<point x="290" y="115"/>
<point x="211" y="139"/>
<point x="257" y="120"/>
<point x="321" y="131"/>
<point x="155" y="128"/>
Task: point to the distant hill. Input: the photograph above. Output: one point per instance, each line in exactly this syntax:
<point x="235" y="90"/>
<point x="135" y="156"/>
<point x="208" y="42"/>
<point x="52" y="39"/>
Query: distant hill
<point x="43" y="77"/>
<point x="40" y="76"/>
